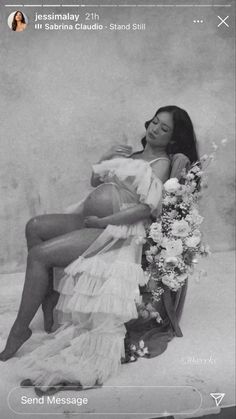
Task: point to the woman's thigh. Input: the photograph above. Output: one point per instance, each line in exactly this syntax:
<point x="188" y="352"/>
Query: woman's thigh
<point x="46" y="227"/>
<point x="62" y="250"/>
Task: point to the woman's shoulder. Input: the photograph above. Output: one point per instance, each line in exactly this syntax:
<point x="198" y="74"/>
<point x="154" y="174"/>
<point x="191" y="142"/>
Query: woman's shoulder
<point x="165" y="160"/>
<point x="161" y="168"/>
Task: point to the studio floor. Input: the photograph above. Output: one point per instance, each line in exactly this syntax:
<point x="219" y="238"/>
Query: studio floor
<point x="178" y="383"/>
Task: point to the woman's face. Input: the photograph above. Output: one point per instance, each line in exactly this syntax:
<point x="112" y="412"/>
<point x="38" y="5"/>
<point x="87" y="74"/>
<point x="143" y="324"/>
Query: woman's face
<point x="160" y="130"/>
<point x="18" y="17"/>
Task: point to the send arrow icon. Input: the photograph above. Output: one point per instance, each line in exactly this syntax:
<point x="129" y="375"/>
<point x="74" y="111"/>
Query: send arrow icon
<point x="218" y="397"/>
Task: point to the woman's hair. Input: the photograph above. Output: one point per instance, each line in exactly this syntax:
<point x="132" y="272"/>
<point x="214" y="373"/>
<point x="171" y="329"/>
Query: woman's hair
<point x="14" y="22"/>
<point x="183" y="139"/>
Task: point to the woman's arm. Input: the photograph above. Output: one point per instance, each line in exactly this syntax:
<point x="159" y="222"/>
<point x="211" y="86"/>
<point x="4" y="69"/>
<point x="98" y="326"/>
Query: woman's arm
<point x="127" y="216"/>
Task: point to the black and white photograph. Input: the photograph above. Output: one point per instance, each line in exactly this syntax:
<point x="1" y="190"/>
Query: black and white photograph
<point x="117" y="210"/>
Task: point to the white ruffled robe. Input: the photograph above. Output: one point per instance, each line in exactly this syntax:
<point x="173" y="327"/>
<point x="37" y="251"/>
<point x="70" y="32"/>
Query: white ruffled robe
<point x="99" y="290"/>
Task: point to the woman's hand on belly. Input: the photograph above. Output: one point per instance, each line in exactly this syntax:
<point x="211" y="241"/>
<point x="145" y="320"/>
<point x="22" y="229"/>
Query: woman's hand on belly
<point x="93" y="222"/>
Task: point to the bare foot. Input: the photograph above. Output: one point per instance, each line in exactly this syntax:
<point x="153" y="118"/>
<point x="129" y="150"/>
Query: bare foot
<point x="49" y="302"/>
<point x="63" y="386"/>
<point x="14" y="342"/>
<point x="27" y="383"/>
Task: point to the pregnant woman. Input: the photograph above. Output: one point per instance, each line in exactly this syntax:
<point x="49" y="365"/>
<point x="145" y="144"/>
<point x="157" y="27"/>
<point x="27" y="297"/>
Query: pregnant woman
<point x="101" y="248"/>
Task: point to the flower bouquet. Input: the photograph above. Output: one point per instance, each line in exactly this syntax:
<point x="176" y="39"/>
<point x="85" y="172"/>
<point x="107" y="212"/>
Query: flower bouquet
<point x="174" y="240"/>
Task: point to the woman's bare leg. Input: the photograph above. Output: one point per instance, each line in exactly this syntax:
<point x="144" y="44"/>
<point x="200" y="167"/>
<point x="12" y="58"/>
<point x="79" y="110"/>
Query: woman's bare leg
<point x="43" y="228"/>
<point x="55" y="252"/>
<point x="48" y="226"/>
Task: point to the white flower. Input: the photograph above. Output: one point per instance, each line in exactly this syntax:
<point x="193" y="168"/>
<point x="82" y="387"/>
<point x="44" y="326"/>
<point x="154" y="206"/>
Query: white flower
<point x="195" y="169"/>
<point x="224" y="141"/>
<point x="173" y="247"/>
<point x="140" y="240"/>
<point x="180" y="228"/>
<point x="155" y="232"/>
<point x="149" y="258"/>
<point x="197" y="233"/>
<point x="173" y="200"/>
<point x="141" y="344"/>
<point x="192" y="241"/>
<point x="153" y="250"/>
<point x="171" y="185"/>
<point x="158" y="318"/>
<point x="193" y="187"/>
<point x="214" y="146"/>
<point x="174" y="282"/>
<point x="194" y="217"/>
<point x="169" y="280"/>
<point x="172" y="214"/>
<point x="187" y="199"/>
<point x="169" y="200"/>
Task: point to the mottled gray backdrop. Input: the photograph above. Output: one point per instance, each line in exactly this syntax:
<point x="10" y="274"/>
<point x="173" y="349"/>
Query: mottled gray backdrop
<point x="67" y="96"/>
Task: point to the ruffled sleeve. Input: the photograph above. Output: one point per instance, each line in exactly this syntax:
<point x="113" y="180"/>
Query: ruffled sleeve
<point x="108" y="167"/>
<point x="137" y="174"/>
<point x="149" y="188"/>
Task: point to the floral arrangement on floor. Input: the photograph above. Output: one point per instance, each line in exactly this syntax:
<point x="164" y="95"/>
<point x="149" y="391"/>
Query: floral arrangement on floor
<point x="175" y="240"/>
<point x="173" y="243"/>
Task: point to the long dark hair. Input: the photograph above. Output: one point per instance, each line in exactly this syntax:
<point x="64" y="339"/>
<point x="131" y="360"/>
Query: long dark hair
<point x="183" y="139"/>
<point x="14" y="22"/>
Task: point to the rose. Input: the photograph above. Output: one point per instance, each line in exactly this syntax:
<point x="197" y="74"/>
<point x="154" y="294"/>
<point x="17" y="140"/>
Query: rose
<point x="171" y="185"/>
<point x="173" y="247"/>
<point x="155" y="232"/>
<point x="180" y="228"/>
<point x="192" y="241"/>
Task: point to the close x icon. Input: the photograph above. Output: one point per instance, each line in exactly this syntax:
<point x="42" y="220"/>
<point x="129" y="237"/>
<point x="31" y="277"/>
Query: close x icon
<point x="223" y="21"/>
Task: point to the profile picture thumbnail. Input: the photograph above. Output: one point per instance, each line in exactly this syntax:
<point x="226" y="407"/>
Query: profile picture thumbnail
<point x="17" y="21"/>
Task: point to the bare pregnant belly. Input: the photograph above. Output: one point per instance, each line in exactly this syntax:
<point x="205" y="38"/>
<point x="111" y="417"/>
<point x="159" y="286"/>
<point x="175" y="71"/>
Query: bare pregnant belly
<point x="102" y="201"/>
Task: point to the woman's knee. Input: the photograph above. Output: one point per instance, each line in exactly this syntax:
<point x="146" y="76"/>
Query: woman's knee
<point x="39" y="254"/>
<point x="32" y="228"/>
